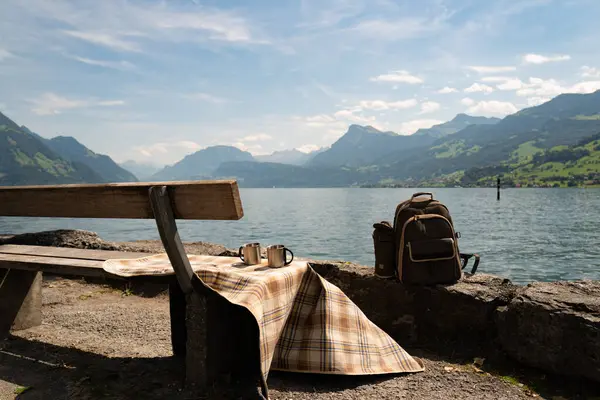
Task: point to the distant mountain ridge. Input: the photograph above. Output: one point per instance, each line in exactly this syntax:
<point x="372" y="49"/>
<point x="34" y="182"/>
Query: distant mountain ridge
<point x="458" y="123"/>
<point x="142" y="171"/>
<point x="291" y="157"/>
<point x="25" y="159"/>
<point x="201" y="164"/>
<point x="70" y="149"/>
<point x="366" y="156"/>
<point x="554" y="143"/>
<point x="365" y="145"/>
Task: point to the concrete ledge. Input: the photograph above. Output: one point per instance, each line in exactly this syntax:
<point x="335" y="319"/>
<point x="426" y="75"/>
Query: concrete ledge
<point x="553" y="326"/>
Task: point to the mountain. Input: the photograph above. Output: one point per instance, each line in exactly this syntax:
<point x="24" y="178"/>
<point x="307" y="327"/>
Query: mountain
<point x="291" y="157"/>
<point x="365" y="145"/>
<point x="25" y="159"/>
<point x="201" y="164"/>
<point x="70" y="149"/>
<point x="562" y="121"/>
<point x="460" y="122"/>
<point x="142" y="171"/>
<point x="266" y="175"/>
<point x="555" y="143"/>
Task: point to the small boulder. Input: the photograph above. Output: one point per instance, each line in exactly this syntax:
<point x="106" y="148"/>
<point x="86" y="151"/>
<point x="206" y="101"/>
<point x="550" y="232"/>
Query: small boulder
<point x="554" y="326"/>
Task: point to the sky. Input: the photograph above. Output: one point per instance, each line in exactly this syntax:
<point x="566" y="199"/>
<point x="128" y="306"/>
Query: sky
<point x="152" y="81"/>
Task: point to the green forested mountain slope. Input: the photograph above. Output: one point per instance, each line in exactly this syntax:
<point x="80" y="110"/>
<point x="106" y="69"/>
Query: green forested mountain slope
<point x="27" y="160"/>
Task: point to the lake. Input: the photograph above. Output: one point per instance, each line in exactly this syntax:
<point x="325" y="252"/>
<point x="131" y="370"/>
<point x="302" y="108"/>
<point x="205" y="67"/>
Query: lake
<point x="529" y="235"/>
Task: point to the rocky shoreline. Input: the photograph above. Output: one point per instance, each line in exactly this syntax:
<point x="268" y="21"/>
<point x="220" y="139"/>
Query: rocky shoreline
<point x="551" y="327"/>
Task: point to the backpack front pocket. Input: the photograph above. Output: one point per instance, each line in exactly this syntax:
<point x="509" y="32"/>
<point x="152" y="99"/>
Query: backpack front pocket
<point x="431" y="250"/>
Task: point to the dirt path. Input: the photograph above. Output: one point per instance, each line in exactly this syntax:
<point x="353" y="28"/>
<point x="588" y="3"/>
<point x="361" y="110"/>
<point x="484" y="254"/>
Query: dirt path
<point x="99" y="342"/>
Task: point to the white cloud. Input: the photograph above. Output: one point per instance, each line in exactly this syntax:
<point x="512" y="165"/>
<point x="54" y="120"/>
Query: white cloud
<point x="352" y="116"/>
<point x="399" y="29"/>
<point x="119" y="65"/>
<point x="308" y="148"/>
<point x="256" y="138"/>
<point x="320" y="119"/>
<point x="496" y="78"/>
<point x="584" y="87"/>
<point x="536" y="101"/>
<point x="255" y="149"/>
<point x="481" y="69"/>
<point x="479" y="87"/>
<point x="586" y="72"/>
<point x="131" y="26"/>
<point x="397" y="77"/>
<point x="51" y="104"/>
<point x="105" y="39"/>
<point x="219" y="25"/>
<point x="5" y="54"/>
<point x="107" y="103"/>
<point x="511" y="84"/>
<point x="540" y="88"/>
<point x="411" y="127"/>
<point x="429" y="107"/>
<point x="447" y="89"/>
<point x="379" y="105"/>
<point x="467" y="101"/>
<point x="154" y="150"/>
<point x="548" y="88"/>
<point x="205" y="97"/>
<point x="492" y="107"/>
<point x="540" y="59"/>
<point x="332" y="125"/>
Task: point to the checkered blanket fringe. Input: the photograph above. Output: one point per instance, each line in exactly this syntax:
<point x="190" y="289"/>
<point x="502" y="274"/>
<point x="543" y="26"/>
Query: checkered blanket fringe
<point x="307" y="324"/>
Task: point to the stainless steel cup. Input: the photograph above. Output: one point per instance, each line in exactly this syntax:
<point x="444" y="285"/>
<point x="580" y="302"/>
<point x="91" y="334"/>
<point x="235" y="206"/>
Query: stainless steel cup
<point x="250" y="253"/>
<point x="276" y="256"/>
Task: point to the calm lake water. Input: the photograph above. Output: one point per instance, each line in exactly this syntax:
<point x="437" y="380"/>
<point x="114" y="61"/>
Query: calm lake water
<point x="529" y="235"/>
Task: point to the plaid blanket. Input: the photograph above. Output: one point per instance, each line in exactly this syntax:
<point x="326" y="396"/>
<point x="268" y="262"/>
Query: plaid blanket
<point x="306" y="323"/>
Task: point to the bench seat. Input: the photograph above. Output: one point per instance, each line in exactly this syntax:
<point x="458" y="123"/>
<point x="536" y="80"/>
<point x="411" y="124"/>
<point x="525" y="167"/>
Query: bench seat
<point x="69" y="261"/>
<point x="200" y="319"/>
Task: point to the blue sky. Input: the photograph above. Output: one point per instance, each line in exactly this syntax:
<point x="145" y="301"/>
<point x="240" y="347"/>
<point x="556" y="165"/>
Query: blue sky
<point x="155" y="80"/>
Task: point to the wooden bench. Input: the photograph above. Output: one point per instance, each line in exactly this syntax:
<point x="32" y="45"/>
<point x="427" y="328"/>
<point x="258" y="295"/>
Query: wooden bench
<point x="191" y="303"/>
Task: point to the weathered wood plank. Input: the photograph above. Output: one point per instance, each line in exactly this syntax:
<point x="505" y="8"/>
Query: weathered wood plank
<point x="167" y="228"/>
<point x="214" y="200"/>
<point x="67" y="252"/>
<point x="56" y="265"/>
<point x="72" y="267"/>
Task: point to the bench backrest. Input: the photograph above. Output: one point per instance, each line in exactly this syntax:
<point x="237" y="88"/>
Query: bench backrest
<point x="214" y="200"/>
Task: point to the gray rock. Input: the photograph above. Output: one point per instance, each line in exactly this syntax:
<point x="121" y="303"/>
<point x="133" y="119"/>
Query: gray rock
<point x="554" y="326"/>
<point x="455" y="317"/>
<point x="61" y="238"/>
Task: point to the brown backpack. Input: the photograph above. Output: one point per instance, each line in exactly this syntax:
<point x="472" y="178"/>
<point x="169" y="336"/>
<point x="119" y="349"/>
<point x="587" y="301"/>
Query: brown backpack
<point x="426" y="245"/>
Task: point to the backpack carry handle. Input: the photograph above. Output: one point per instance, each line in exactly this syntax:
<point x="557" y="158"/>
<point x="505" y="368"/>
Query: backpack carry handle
<point x="422" y="194"/>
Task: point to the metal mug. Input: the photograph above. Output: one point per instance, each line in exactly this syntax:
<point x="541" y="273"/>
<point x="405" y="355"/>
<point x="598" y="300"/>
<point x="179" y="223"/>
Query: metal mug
<point x="276" y="256"/>
<point x="250" y="253"/>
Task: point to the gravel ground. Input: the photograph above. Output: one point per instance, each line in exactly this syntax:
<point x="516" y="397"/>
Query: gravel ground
<point x="100" y="342"/>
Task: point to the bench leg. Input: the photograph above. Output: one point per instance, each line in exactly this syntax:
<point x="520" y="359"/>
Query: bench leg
<point x="20" y="300"/>
<point x="177" y="308"/>
<point x="222" y="346"/>
<point x="196" y="357"/>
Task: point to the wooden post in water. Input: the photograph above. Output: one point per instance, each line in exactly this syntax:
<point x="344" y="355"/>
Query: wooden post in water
<point x="498" y="188"/>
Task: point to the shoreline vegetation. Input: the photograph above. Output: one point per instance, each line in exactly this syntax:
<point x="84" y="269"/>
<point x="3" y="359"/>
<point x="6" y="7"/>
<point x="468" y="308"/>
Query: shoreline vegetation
<point x="504" y="185"/>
